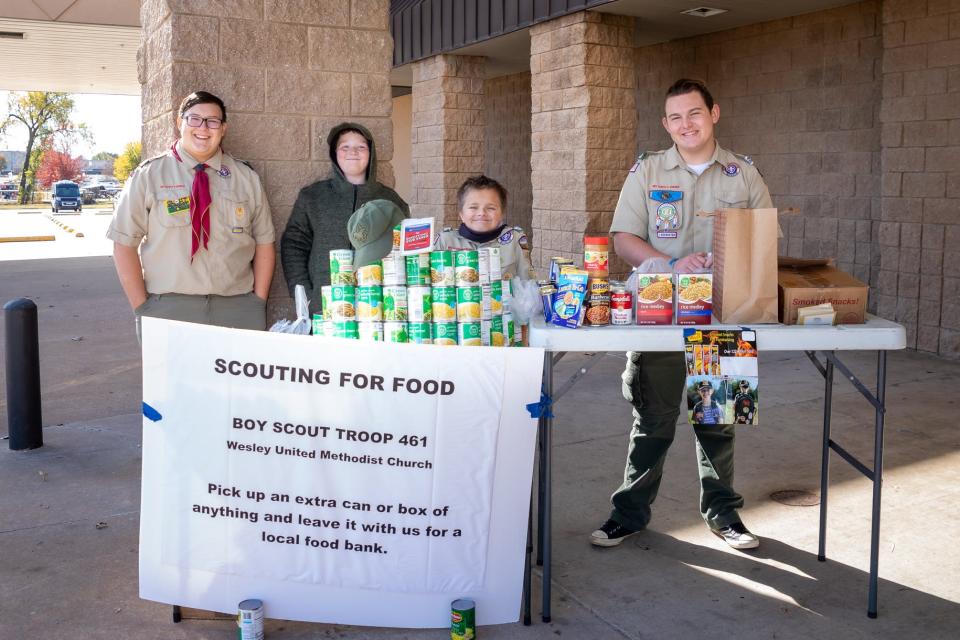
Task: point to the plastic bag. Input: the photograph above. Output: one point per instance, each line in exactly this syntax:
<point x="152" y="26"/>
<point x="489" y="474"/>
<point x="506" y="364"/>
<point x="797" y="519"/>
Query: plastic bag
<point x="300" y="326"/>
<point x="526" y="302"/>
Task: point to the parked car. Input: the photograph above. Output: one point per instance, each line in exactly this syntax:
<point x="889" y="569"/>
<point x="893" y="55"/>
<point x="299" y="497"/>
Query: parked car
<point x="65" y="195"/>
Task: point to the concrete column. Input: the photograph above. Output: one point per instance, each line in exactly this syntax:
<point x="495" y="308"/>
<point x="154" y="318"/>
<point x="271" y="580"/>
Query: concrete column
<point x="288" y="71"/>
<point x="584" y="120"/>
<point x="448" y="132"/>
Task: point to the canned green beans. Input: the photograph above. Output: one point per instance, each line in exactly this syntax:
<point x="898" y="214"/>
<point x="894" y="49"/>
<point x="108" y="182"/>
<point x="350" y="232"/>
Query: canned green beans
<point x="467" y="268"/>
<point x="395" y="332"/>
<point x="343" y="300"/>
<point x="395" y="303"/>
<point x="420" y="332"/>
<point x="370" y="331"/>
<point x="341" y="267"/>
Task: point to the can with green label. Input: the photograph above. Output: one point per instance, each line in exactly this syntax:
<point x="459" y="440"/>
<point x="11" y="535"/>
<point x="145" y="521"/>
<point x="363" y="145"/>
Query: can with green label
<point x="371" y="274"/>
<point x="496" y="297"/>
<point x="507" y="294"/>
<point x="418" y="269"/>
<point x="341" y="267"/>
<point x="325" y="301"/>
<point x="442" y="269"/>
<point x="466" y="268"/>
<point x="485" y="333"/>
<point x="394" y="270"/>
<point x="463" y="619"/>
<point x="420" y="332"/>
<point x="395" y="332"/>
<point x="497" y="337"/>
<point x="328" y="329"/>
<point x="444" y="304"/>
<point x="468" y="334"/>
<point x="509" y="331"/>
<point x="445" y="333"/>
<point x="343" y="300"/>
<point x="419" y="304"/>
<point x="316" y="326"/>
<point x="346" y="329"/>
<point x="370" y="331"/>
<point x="370" y="303"/>
<point x="486" y="301"/>
<point x="395" y="303"/>
<point x="469" y="300"/>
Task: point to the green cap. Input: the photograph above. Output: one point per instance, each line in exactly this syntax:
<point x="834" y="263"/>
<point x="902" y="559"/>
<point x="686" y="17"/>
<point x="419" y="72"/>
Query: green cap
<point x="371" y="231"/>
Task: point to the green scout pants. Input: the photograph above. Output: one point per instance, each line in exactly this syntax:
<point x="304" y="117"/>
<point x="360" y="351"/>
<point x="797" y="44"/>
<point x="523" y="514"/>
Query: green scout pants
<point x="653" y="383"/>
<point x="245" y="311"/>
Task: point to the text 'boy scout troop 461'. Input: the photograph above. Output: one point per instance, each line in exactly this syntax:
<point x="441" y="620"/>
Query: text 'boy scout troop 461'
<point x="194" y="241"/>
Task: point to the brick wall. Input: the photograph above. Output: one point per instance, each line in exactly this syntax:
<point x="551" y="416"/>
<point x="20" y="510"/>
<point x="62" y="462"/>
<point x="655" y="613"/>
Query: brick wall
<point x="507" y="144"/>
<point x="287" y="71"/>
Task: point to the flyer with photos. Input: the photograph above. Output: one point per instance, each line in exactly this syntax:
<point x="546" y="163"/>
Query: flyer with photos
<point x="722" y="376"/>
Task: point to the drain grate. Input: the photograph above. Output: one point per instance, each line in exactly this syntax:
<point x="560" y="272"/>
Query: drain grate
<point x="796" y="497"/>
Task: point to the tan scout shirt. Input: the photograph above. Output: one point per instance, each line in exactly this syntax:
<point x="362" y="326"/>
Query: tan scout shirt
<point x="514" y="253"/>
<point x="154" y="208"/>
<point x="661" y="196"/>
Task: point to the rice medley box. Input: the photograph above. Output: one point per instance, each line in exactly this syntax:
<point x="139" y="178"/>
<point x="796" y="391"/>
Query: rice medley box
<point x="694" y="298"/>
<point x="654" y="296"/>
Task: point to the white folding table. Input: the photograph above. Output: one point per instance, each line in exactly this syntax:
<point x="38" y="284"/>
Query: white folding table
<point x="876" y="334"/>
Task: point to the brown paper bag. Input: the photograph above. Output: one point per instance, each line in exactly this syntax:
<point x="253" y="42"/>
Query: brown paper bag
<point x="745" y="266"/>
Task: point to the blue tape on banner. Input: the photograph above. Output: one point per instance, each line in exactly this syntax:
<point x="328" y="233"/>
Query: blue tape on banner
<point x="541" y="409"/>
<point x="151" y="414"/>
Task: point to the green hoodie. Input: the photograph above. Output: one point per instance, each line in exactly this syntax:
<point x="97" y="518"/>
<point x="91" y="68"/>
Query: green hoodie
<point x="319" y="220"/>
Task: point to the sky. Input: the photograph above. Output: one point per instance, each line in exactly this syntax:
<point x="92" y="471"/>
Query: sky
<point x="114" y="121"/>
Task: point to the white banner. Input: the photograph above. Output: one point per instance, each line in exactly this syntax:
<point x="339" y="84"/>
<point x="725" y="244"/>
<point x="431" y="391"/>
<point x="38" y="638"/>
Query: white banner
<point x="338" y="481"/>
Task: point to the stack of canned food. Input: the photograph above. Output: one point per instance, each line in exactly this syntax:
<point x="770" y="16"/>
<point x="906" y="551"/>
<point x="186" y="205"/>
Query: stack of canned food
<point x="440" y="297"/>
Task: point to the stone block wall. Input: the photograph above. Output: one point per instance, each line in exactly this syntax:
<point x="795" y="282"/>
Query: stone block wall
<point x="507" y="144"/>
<point x="287" y="70"/>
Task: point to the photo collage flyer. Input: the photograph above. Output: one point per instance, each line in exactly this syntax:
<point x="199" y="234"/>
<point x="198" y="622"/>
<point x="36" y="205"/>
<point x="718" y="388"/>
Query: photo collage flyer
<point x="722" y="376"/>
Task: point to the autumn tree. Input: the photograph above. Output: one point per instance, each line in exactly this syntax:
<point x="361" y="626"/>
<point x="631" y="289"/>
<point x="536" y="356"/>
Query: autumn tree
<point x="46" y="117"/>
<point x="129" y="160"/>
<point x="57" y="165"/>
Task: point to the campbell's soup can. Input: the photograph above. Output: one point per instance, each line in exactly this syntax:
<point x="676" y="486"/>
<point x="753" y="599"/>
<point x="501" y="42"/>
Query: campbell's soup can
<point x="442" y="269"/>
<point x="497" y="336"/>
<point x="325" y="300"/>
<point x="420" y="332"/>
<point x="493" y="262"/>
<point x="250" y="620"/>
<point x="370" y="275"/>
<point x="394" y="269"/>
<point x="395" y="332"/>
<point x="467" y="268"/>
<point x="486" y="302"/>
<point x="419" y="304"/>
<point x="341" y="267"/>
<point x="468" y="334"/>
<point x="469" y="302"/>
<point x="343" y="301"/>
<point x="485" y="333"/>
<point x="445" y="333"/>
<point x="346" y="329"/>
<point x="369" y="303"/>
<point x="370" y="331"/>
<point x="418" y="269"/>
<point x="395" y="303"/>
<point x="509" y="331"/>
<point x="496" y="297"/>
<point x="444" y="304"/>
<point x="621" y="303"/>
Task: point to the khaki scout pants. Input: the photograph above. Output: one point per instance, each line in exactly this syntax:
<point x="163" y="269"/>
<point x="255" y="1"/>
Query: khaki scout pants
<point x="246" y="311"/>
<point x="653" y="383"/>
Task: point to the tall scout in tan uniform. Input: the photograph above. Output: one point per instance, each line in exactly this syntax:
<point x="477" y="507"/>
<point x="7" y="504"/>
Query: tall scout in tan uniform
<point x="655" y="219"/>
<point x="193" y="236"/>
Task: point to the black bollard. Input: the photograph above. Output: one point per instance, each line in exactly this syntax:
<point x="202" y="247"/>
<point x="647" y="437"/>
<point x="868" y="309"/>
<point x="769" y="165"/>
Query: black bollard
<point x="23" y="375"/>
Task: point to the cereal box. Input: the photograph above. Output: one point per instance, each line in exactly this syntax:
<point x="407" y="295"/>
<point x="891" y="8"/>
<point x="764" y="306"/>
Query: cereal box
<point x="654" y="298"/>
<point x="694" y="298"/>
<point x="568" y="301"/>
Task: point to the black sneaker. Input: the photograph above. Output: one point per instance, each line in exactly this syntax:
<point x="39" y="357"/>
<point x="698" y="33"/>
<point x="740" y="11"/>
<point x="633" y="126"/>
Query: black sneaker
<point x="737" y="536"/>
<point x="610" y="534"/>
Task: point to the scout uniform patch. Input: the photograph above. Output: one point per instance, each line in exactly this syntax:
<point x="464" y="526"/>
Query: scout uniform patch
<point x="668" y="213"/>
<point x="506" y="236"/>
<point x="178" y="206"/>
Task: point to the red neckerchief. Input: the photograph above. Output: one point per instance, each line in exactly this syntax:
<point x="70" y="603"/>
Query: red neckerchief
<point x="199" y="205"/>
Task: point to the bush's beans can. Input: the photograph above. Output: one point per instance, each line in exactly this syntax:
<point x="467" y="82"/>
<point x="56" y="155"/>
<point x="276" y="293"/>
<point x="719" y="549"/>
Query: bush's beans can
<point x="420" y="332"/>
<point x="556" y="264"/>
<point x="463" y="619"/>
<point x="496" y="297"/>
<point x="467" y="268"/>
<point x="369" y="303"/>
<point x="445" y="333"/>
<point x="394" y="269"/>
<point x="621" y="303"/>
<point x="486" y="301"/>
<point x="510" y="338"/>
<point x="250" y="620"/>
<point x="493" y="260"/>
<point x="316" y="326"/>
<point x="469" y="301"/>
<point x="419" y="304"/>
<point x="395" y="332"/>
<point x="442" y="271"/>
<point x="418" y="269"/>
<point x="444" y="304"/>
<point x="343" y="303"/>
<point x="597" y="302"/>
<point x="497" y="337"/>
<point x="468" y="334"/>
<point x="325" y="300"/>
<point x="370" y="275"/>
<point x="346" y="329"/>
<point x="394" y="303"/>
<point x="341" y="267"/>
<point x="370" y="331"/>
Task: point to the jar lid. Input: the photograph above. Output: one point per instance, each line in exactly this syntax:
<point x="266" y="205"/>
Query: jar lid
<point x="595" y="240"/>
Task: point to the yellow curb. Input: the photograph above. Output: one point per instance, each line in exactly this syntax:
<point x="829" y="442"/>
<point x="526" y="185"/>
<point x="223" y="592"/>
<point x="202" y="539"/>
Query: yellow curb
<point x="26" y="238"/>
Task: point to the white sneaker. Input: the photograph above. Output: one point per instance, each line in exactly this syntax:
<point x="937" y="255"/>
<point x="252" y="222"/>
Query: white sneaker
<point x="737" y="536"/>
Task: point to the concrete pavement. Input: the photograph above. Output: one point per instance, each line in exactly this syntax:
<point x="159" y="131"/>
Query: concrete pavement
<point x="63" y="577"/>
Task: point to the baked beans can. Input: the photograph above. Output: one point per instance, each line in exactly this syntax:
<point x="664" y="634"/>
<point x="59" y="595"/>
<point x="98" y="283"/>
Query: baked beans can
<point x="509" y="331"/>
<point x="370" y="275"/>
<point x="419" y="304"/>
<point x="343" y="302"/>
<point x="394" y="269"/>
<point x="420" y="332"/>
<point x="444" y="304"/>
<point x="395" y="303"/>
<point x="485" y="333"/>
<point x="493" y="261"/>
<point x="486" y="301"/>
<point x="547" y="291"/>
<point x="497" y="337"/>
<point x="370" y="331"/>
<point x="346" y="329"/>
<point x="496" y="297"/>
<point x="621" y="303"/>
<point x="326" y="300"/>
<point x="466" y="268"/>
<point x="369" y="303"/>
<point x="469" y="303"/>
<point x="250" y="620"/>
<point x="442" y="270"/>
<point x="597" y="312"/>
<point x="341" y="267"/>
<point x="468" y="334"/>
<point x="557" y="263"/>
<point x="316" y="324"/>
<point x="418" y="269"/>
<point x="445" y="333"/>
<point x="395" y="332"/>
<point x="463" y="619"/>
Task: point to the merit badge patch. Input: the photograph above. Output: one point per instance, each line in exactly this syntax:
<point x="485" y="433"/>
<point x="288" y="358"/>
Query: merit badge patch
<point x="236" y="230"/>
<point x="239" y="212"/>
<point x="506" y="236"/>
<point x="177" y="206"/>
<point x="731" y="169"/>
<point x="224" y="172"/>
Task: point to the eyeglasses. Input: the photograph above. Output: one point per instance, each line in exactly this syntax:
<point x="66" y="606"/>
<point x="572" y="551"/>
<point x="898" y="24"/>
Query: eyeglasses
<point x="193" y="120"/>
<point x="347" y="149"/>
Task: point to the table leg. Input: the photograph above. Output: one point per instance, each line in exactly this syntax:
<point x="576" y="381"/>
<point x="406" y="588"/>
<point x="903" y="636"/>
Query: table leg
<point x="526" y="567"/>
<point x="877" y="482"/>
<point x="540" y="480"/>
<point x="545" y="471"/>
<point x="825" y="459"/>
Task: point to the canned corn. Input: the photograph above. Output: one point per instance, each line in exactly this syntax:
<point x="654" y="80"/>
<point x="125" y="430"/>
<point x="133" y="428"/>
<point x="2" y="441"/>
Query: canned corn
<point x="444" y="304"/>
<point x="469" y="300"/>
<point x="463" y="619"/>
<point x="370" y="275"/>
<point x="468" y="334"/>
<point x="445" y="333"/>
<point x="496" y="297"/>
<point x="369" y="303"/>
<point x="497" y="338"/>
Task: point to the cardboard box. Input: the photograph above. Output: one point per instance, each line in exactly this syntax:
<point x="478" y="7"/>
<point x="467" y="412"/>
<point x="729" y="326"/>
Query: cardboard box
<point x="654" y="296"/>
<point x="804" y="283"/>
<point x="694" y="298"/>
